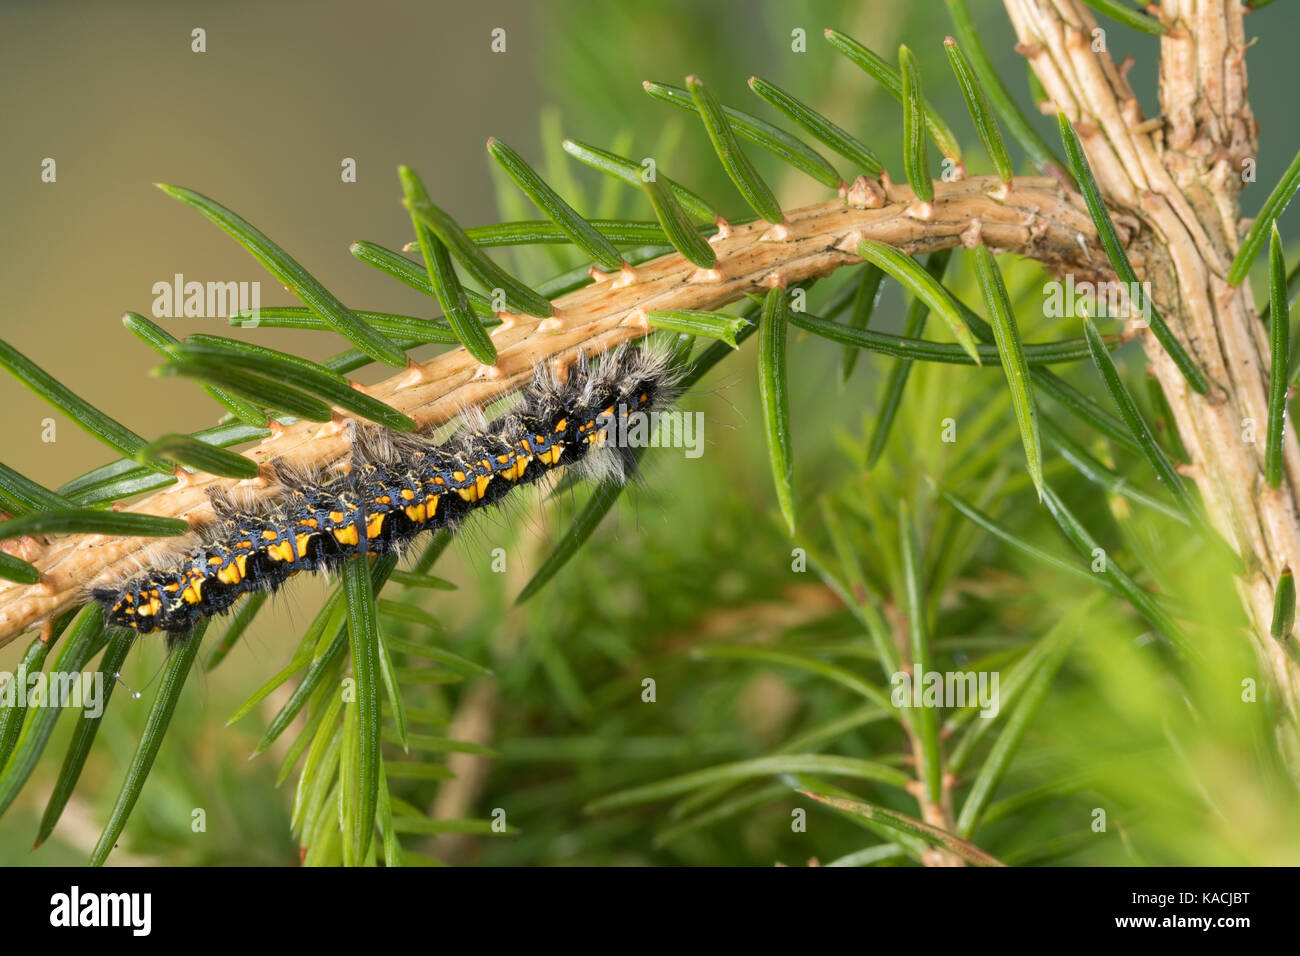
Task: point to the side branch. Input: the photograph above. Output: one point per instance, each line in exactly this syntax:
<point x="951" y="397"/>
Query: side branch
<point x="1036" y="218"/>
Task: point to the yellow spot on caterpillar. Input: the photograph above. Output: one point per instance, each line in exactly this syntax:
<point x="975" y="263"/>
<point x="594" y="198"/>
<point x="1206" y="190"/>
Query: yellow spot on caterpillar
<point x="281" y="552"/>
<point x="309" y="523"/>
<point x="385" y="500"/>
<point x="190" y="595"/>
<point x="408" y="494"/>
<point x="561" y="425"/>
<point x="231" y="573"/>
<point x="374" y="526"/>
<point x="270" y="535"/>
<point x="336" y="517"/>
<point x="245" y="545"/>
<point x="503" y="459"/>
<point x="346" y="535"/>
<point x="416" y="512"/>
<point x="458" y="475"/>
<point x="172" y="588"/>
<point x="241" y="562"/>
<point x="302" y="541"/>
<point x="215" y="560"/>
<point x="475" y="491"/>
<point x="551" y="455"/>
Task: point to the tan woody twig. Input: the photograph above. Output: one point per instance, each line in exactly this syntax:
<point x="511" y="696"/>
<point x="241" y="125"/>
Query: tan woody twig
<point x="1182" y="178"/>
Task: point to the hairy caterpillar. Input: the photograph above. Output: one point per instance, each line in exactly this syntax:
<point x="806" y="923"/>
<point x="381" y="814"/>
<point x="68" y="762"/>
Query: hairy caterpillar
<point x="398" y="487"/>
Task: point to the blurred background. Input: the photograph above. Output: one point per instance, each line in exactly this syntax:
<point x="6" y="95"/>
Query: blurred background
<point x="262" y="121"/>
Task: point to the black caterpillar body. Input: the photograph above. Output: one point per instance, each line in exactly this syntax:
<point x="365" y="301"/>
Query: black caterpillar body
<point x="398" y="487"/>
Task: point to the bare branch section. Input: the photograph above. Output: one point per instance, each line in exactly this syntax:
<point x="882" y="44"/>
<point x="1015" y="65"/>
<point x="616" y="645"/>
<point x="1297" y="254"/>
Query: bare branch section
<point x="1035" y="218"/>
<point x="1182" y="176"/>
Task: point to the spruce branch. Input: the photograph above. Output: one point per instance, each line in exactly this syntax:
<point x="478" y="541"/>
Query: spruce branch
<point x="1037" y="219"/>
<point x="1181" y="175"/>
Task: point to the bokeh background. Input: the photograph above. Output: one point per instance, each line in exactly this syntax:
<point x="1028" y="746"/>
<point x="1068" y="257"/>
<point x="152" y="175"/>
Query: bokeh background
<point x="261" y="121"/>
